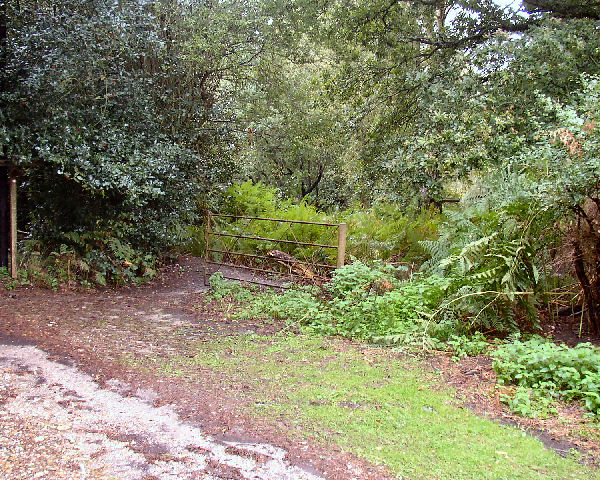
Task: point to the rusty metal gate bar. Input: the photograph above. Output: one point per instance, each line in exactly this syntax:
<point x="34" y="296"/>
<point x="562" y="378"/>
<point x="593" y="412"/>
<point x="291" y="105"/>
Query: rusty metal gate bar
<point x="208" y="232"/>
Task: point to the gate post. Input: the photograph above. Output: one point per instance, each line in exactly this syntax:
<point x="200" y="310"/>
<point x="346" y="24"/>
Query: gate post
<point x="13" y="227"/>
<point x="206" y="244"/>
<point x="341" y="253"/>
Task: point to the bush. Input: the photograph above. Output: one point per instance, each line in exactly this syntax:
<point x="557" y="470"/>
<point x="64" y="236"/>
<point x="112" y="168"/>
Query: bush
<point x="542" y="366"/>
<point x="385" y="232"/>
<point x="101" y="152"/>
<point x="467" y="346"/>
<point x="357" y="278"/>
<point x="404" y="309"/>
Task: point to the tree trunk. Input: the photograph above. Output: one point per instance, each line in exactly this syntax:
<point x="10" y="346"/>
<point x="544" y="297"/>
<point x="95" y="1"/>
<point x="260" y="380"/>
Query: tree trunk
<point x="307" y="190"/>
<point x="4" y="217"/>
<point x="590" y="289"/>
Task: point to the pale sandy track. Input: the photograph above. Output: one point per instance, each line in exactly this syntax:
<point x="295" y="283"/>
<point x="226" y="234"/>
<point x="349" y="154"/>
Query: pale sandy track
<point x="56" y="422"/>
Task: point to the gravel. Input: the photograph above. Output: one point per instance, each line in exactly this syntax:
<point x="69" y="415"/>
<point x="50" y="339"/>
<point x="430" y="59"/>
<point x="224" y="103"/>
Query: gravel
<point x="57" y="423"/>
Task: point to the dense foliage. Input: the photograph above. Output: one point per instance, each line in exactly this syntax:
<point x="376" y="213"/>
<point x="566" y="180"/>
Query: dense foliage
<point x="113" y="113"/>
<point x="543" y="369"/>
<point x="121" y="116"/>
<point x="417" y="103"/>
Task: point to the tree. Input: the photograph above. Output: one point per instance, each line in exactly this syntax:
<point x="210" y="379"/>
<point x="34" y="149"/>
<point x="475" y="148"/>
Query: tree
<point x="117" y="115"/>
<point x="439" y="89"/>
<point x="294" y="136"/>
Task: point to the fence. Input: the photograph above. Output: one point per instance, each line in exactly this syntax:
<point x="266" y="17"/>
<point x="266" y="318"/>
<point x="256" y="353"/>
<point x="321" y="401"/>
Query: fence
<point x="228" y="252"/>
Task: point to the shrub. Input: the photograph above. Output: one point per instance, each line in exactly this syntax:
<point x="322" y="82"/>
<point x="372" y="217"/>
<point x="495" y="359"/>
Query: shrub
<point x="357" y="278"/>
<point x="540" y="365"/>
<point x="106" y="148"/>
<point x="531" y="403"/>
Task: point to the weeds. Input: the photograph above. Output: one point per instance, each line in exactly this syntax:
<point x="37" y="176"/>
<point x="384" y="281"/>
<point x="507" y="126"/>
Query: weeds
<point x="542" y="369"/>
<point x="369" y="303"/>
<point x="463" y="346"/>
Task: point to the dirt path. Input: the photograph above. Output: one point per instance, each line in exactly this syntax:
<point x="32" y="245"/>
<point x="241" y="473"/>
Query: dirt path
<point x="69" y="400"/>
<point x="75" y="402"/>
<point x="71" y="428"/>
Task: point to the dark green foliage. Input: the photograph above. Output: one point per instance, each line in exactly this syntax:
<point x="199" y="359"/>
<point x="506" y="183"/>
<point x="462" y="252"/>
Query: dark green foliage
<point x="357" y="279"/>
<point x="404" y="312"/>
<point x="107" y="126"/>
<point x="542" y="366"/>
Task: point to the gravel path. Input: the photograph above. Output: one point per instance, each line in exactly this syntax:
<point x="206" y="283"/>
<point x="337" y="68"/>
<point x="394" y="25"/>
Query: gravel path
<point x="57" y="423"/>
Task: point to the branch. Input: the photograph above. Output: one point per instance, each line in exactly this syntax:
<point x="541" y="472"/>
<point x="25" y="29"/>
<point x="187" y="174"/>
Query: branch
<point x="578" y="9"/>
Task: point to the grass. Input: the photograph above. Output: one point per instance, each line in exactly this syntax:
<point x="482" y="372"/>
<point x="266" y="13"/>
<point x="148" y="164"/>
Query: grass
<point x="373" y="403"/>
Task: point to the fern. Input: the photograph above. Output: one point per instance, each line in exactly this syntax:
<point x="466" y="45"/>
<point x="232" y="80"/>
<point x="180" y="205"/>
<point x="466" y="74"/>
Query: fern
<point x="491" y="261"/>
<point x="469" y="254"/>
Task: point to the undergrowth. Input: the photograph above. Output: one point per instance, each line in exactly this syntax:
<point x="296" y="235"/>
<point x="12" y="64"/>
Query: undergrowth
<point x="480" y="263"/>
<point x="544" y="371"/>
<point x="376" y="304"/>
<point x="369" y="303"/>
<point x="93" y="258"/>
<point x="382" y="232"/>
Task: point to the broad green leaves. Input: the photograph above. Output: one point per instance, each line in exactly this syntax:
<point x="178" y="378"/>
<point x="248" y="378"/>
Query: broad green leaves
<point x="116" y="112"/>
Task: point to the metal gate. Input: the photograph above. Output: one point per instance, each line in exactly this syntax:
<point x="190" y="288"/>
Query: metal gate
<point x="223" y="249"/>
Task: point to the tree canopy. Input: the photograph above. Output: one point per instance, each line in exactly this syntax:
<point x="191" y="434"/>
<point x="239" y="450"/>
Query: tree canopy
<point x="124" y="116"/>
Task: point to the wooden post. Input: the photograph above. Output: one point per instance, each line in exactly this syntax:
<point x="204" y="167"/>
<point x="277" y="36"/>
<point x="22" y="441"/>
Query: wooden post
<point x="207" y="245"/>
<point x="13" y="227"/>
<point x="341" y="253"/>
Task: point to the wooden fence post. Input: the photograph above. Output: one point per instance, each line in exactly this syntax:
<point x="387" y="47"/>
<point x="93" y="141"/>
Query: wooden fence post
<point x="341" y="253"/>
<point x="206" y="245"/>
<point x="13" y="227"/>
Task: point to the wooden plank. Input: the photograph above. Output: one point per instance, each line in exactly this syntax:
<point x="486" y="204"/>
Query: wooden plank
<point x="263" y="270"/>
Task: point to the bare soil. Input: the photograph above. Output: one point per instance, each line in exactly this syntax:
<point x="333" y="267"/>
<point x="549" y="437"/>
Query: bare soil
<point x="75" y="425"/>
<point x="89" y="333"/>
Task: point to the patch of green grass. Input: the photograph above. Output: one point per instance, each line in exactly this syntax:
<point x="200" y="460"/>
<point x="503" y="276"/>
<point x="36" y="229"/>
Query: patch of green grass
<point x="375" y="404"/>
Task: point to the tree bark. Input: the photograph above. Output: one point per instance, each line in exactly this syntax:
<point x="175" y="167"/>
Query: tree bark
<point x="590" y="292"/>
<point x="4" y="217"/>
